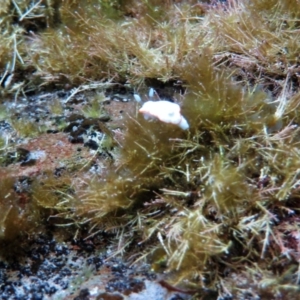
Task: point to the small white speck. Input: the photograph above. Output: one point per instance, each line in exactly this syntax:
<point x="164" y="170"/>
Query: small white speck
<point x="94" y="291"/>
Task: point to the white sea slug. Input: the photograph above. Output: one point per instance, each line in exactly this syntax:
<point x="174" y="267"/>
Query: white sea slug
<point x="165" y="111"/>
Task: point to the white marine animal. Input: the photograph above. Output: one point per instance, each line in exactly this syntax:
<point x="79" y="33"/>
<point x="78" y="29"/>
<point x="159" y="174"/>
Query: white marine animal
<point x="163" y="110"/>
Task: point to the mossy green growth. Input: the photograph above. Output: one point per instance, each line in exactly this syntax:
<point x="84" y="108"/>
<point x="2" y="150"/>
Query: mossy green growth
<point x="25" y="128"/>
<point x="207" y="198"/>
<point x="18" y="215"/>
<point x="56" y="107"/>
<point x="219" y="201"/>
<point x="214" y="99"/>
<point x="94" y="109"/>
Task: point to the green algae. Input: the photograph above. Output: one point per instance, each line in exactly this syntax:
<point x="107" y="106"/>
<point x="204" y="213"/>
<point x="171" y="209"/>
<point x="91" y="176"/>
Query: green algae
<point x="204" y="205"/>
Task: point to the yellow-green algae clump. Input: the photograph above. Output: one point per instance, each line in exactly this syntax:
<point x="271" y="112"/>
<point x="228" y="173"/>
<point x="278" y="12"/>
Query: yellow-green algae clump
<point x="216" y="206"/>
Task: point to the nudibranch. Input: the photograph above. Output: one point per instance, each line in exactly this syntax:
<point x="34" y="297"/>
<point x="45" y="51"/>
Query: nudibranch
<point x="163" y="110"/>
